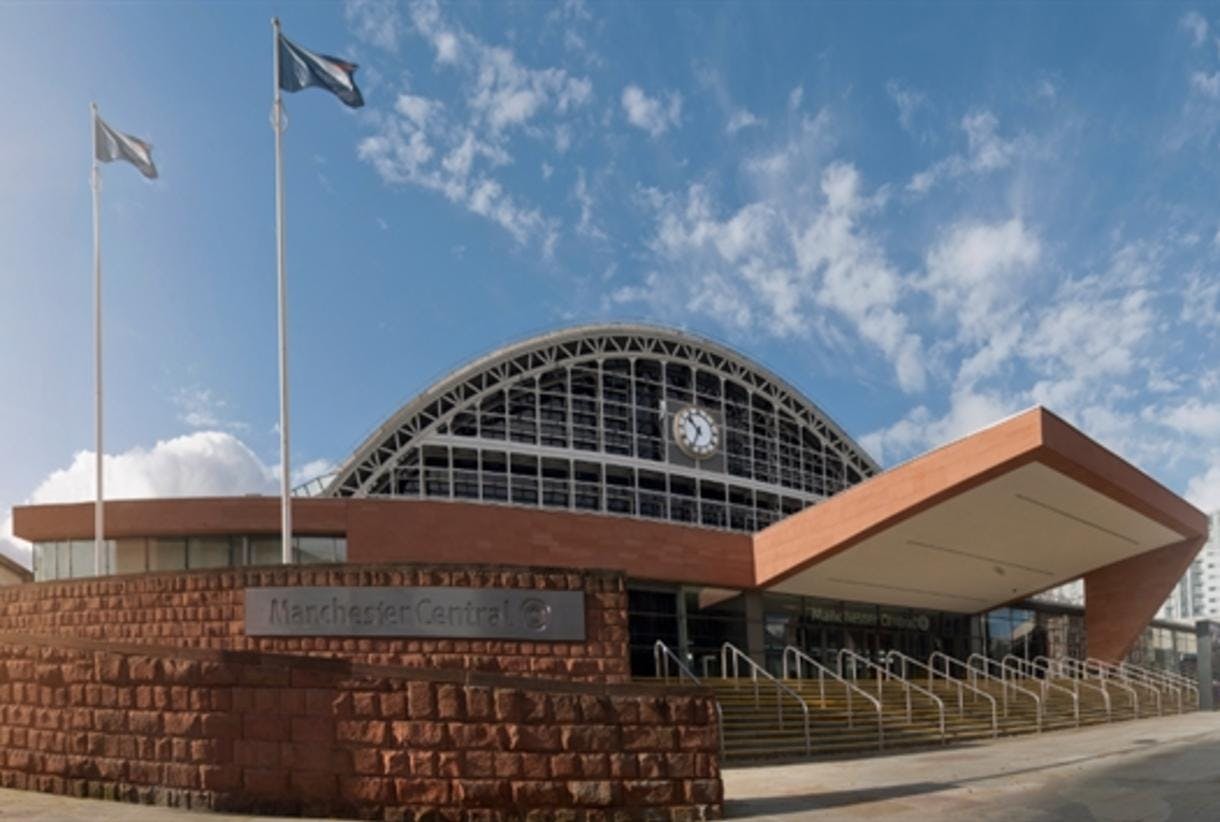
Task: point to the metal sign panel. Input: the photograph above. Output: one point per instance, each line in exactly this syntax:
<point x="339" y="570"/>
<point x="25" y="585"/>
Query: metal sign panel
<point x="480" y="613"/>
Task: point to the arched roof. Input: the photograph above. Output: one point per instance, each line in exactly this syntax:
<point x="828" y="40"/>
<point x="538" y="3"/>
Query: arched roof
<point x="538" y="354"/>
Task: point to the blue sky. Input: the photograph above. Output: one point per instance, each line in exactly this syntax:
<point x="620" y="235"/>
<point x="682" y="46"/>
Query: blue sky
<point x="926" y="216"/>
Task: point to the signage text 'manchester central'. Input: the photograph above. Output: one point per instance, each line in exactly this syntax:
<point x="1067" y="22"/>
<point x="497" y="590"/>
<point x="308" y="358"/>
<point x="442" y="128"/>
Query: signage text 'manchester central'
<point x="484" y="613"/>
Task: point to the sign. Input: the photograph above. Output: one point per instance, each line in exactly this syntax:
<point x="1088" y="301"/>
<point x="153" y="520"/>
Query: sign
<point x="477" y="613"/>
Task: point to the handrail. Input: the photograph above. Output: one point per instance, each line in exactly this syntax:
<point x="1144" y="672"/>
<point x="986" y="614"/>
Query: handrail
<point x="961" y="687"/>
<point x="661" y="655"/>
<point x="1004" y="683"/>
<point x="800" y="656"/>
<point x="755" y="669"/>
<point x="1080" y="669"/>
<point x="1076" y="683"/>
<point x="1109" y="668"/>
<point x="1018" y="669"/>
<point x="907" y="686"/>
<point x="1170" y="678"/>
<point x="1052" y="665"/>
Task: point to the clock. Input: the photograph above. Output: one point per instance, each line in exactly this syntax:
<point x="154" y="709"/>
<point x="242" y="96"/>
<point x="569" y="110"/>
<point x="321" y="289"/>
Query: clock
<point x="696" y="432"/>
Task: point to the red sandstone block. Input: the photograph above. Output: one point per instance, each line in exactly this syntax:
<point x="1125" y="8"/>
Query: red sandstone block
<point x="595" y="766"/>
<point x="365" y="790"/>
<point x="591" y="738"/>
<point x="110" y="770"/>
<point x="422" y="792"/>
<point x="704" y="791"/>
<point x="144" y="669"/>
<point x="422" y="763"/>
<point x="478" y="764"/>
<point x="365" y="732"/>
<point x="506" y="765"/>
<point x="565" y="708"/>
<point x="181" y="776"/>
<point x="366" y="761"/>
<point x="697" y="738"/>
<point x="395" y="763"/>
<point x="623" y="766"/>
<point x="509" y="706"/>
<point x="549" y="796"/>
<point x="219" y="778"/>
<point x="421" y="699"/>
<point x="182" y="724"/>
<point x="533" y="738"/>
<point x="318" y="701"/>
<point x="482" y="793"/>
<point x="626" y="709"/>
<point x="648" y="738"/>
<point x="479" y="703"/>
<point x="449" y="764"/>
<point x="144" y="773"/>
<point x="270" y="728"/>
<point x="565" y="766"/>
<point x="450" y="703"/>
<point x="476" y="735"/>
<point x="419" y="734"/>
<point x="680" y="766"/>
<point x="593" y="793"/>
<point x="220" y="725"/>
<point x="651" y="765"/>
<point x="109" y="721"/>
<point x="393" y="705"/>
<point x="649" y="792"/>
<point x="269" y="676"/>
<point x="365" y="705"/>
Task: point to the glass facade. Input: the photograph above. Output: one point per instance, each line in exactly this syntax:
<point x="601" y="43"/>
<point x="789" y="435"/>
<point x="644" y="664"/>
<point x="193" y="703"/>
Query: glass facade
<point x="583" y="426"/>
<point x="697" y="621"/>
<point x="75" y="558"/>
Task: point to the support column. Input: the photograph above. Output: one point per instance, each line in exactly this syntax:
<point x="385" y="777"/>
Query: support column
<point x="683" y="630"/>
<point x="755" y="638"/>
<point x="1207" y="635"/>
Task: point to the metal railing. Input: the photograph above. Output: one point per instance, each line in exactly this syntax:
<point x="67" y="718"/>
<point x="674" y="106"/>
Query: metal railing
<point x="1077" y="668"/>
<point x="1023" y="665"/>
<point x="962" y="687"/>
<point x="662" y="655"/>
<point x="1050" y="670"/>
<point x="1005" y="684"/>
<point x="906" y="685"/>
<point x="1109" y="670"/>
<point x="800" y="658"/>
<point x="731" y="653"/>
<point x="1175" y="680"/>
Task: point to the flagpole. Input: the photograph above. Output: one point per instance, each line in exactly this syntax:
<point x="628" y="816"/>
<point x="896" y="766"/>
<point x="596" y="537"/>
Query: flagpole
<point x="277" y="123"/>
<point x="99" y="516"/>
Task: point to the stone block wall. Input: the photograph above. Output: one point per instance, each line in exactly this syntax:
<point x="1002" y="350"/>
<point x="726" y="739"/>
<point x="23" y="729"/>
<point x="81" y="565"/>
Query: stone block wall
<point x="253" y="732"/>
<point x="206" y="609"/>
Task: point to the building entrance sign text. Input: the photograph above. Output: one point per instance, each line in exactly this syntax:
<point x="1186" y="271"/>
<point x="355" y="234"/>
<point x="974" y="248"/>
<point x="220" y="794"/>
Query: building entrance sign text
<point x="478" y="613"/>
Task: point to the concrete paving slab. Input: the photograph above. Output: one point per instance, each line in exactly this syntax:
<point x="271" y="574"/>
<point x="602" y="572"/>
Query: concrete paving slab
<point x="1162" y="769"/>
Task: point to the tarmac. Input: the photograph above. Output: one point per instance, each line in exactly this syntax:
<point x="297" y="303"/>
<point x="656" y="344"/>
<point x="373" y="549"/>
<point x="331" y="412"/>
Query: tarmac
<point x="1165" y="769"/>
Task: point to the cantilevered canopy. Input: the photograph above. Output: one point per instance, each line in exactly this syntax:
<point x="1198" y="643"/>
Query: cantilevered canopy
<point x="1012" y="510"/>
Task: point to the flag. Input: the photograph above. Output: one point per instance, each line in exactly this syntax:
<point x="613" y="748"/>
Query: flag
<point x="111" y="145"/>
<point x="301" y="68"/>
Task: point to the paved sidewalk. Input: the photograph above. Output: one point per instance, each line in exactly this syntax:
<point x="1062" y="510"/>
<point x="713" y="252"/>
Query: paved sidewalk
<point x="1154" y="770"/>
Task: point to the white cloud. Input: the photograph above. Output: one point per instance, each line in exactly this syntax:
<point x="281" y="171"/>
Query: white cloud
<point x="652" y="114"/>
<point x="456" y="149"/>
<point x="908" y="101"/>
<point x="375" y="21"/>
<point x="1195" y="418"/>
<point x="794" y="98"/>
<point x="1203" y="490"/>
<point x="201" y="408"/>
<point x="986" y="151"/>
<point x="1195" y="24"/>
<point x="741" y="118"/>
<point x="975" y="274"/>
<point x="587" y="226"/>
<point x="205" y="463"/>
<point x="919" y="430"/>
<point x="1206" y="84"/>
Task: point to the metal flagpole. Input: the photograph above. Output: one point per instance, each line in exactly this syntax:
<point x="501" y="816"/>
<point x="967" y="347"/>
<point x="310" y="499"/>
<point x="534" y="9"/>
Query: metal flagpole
<point x="277" y="123"/>
<point x="99" y="517"/>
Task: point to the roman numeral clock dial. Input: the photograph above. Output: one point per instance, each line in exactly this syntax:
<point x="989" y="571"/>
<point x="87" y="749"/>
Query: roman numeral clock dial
<point x="696" y="432"/>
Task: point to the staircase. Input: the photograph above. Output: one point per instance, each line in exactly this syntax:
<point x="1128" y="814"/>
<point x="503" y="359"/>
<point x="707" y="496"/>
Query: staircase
<point x="823" y="714"/>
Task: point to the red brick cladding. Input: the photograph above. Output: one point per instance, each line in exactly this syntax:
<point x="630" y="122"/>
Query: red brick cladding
<point x="403" y="530"/>
<point x="205" y="609"/>
<point x="251" y="732"/>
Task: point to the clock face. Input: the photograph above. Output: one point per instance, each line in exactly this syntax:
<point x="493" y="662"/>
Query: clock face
<point x="696" y="432"/>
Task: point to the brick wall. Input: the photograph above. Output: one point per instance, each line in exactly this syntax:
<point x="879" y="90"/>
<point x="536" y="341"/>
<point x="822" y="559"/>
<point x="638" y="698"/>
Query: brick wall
<point x="253" y="732"/>
<point x="206" y="609"/>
